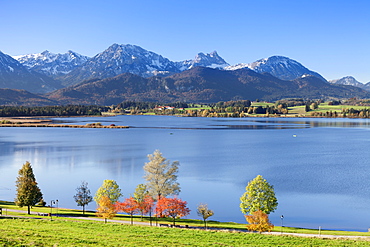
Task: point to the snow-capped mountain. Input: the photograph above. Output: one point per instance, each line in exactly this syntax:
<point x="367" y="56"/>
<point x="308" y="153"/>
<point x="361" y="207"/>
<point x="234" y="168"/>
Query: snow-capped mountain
<point x="348" y="80"/>
<point x="118" y="59"/>
<point x="52" y="64"/>
<point x="14" y="75"/>
<point x="8" y="65"/>
<point x="211" y="60"/>
<point x="72" y="68"/>
<point x="351" y="81"/>
<point x="281" y="67"/>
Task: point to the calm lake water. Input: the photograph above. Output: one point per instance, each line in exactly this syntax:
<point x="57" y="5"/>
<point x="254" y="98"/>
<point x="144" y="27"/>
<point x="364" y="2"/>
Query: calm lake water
<point x="319" y="167"/>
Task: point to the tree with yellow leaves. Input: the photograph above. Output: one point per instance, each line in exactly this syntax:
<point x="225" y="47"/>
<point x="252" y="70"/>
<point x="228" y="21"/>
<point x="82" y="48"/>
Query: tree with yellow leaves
<point x="106" y="208"/>
<point x="259" y="222"/>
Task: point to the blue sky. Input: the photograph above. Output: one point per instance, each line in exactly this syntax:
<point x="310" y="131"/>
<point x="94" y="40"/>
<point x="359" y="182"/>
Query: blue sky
<point x="327" y="36"/>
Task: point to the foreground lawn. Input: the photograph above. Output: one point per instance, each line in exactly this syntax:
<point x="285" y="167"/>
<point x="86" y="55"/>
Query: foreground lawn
<point x="74" y="214"/>
<point x="35" y="232"/>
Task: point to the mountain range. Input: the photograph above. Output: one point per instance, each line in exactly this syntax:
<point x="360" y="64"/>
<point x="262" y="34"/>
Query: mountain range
<point x="123" y="72"/>
<point x="118" y="59"/>
<point x="203" y="85"/>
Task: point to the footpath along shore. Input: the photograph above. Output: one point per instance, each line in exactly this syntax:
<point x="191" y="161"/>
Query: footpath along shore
<point x="55" y="217"/>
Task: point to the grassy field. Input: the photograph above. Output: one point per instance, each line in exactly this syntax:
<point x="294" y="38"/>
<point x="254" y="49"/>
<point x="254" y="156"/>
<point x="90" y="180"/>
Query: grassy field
<point x="296" y="111"/>
<point x="34" y="232"/>
<point x="71" y="214"/>
<point x="323" y="107"/>
<point x="70" y="231"/>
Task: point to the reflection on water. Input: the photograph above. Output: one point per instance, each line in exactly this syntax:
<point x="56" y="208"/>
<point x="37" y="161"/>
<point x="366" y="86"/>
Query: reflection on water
<point x="319" y="167"/>
<point x="271" y="123"/>
<point x="255" y="127"/>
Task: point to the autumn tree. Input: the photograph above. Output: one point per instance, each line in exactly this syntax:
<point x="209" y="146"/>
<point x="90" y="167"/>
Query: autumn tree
<point x="205" y="213"/>
<point x="83" y="196"/>
<point x="128" y="206"/>
<point x="109" y="189"/>
<point x="172" y="207"/>
<point x="259" y="195"/>
<point x="28" y="193"/>
<point x="141" y="196"/>
<point x="106" y="208"/>
<point x="259" y="222"/>
<point x="314" y="106"/>
<point x="161" y="176"/>
<point x="147" y="206"/>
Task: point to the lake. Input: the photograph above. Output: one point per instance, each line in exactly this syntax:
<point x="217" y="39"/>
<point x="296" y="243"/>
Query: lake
<point x="319" y="167"/>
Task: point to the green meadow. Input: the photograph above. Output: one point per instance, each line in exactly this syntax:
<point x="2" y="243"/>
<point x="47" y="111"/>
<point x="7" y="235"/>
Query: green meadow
<point x="68" y="230"/>
<point x="35" y="232"/>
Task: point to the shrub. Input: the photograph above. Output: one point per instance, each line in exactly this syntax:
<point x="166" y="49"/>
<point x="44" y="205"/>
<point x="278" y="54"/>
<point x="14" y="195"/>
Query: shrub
<point x="259" y="222"/>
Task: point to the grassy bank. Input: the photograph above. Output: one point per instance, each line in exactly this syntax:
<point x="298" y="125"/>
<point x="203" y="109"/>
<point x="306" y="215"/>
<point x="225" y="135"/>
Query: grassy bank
<point x="71" y="214"/>
<point x="68" y="230"/>
<point x="34" y="232"/>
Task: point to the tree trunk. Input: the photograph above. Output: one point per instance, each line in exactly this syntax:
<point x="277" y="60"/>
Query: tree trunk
<point x="173" y="221"/>
<point x="160" y="213"/>
<point x="29" y="209"/>
<point x="83" y="210"/>
<point x="150" y="217"/>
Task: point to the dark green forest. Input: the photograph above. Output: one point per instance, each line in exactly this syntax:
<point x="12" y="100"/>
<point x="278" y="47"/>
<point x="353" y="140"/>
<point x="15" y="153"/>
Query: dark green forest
<point x="69" y="110"/>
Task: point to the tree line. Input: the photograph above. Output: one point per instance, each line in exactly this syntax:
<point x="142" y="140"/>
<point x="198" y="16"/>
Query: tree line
<point x="240" y="108"/>
<point x="232" y="109"/>
<point x="128" y="105"/>
<point x="237" y="111"/>
<point x="68" y="110"/>
<point x="158" y="197"/>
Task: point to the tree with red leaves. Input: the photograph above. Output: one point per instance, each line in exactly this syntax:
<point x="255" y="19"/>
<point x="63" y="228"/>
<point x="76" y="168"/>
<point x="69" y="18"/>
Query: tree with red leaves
<point x="128" y="206"/>
<point x="145" y="205"/>
<point x="172" y="207"/>
<point x="144" y="200"/>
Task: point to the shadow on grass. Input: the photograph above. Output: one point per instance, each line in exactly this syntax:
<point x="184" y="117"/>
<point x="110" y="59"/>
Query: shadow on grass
<point x="7" y="218"/>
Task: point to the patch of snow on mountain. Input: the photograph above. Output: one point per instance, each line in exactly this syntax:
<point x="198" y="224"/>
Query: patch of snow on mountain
<point x="237" y="66"/>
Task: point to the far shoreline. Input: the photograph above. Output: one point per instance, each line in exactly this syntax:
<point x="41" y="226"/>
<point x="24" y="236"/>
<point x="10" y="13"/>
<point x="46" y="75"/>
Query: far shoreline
<point x="35" y="122"/>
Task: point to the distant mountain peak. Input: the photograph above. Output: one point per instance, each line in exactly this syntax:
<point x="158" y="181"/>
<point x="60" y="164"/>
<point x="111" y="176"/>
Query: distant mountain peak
<point x="52" y="64"/>
<point x="211" y="60"/>
<point x="281" y="67"/>
<point x="348" y="80"/>
<point x="14" y="75"/>
<point x="273" y="60"/>
<point x="118" y="59"/>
